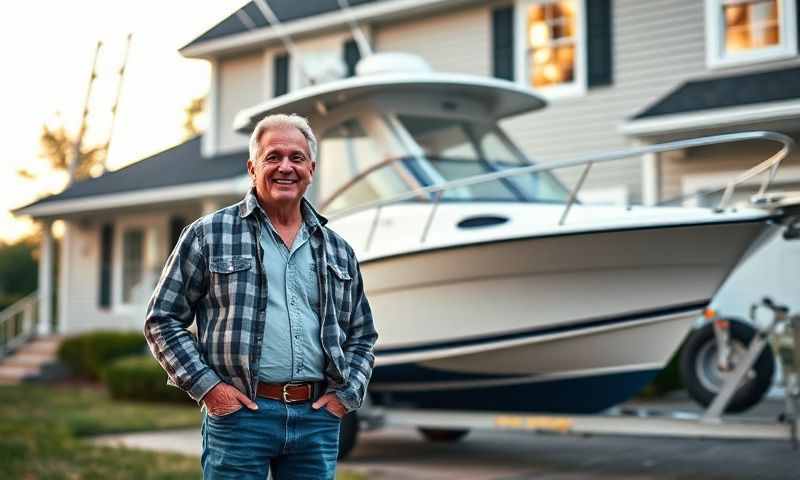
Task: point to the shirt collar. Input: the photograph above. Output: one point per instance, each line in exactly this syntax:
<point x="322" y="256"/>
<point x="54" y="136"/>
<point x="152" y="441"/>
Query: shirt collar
<point x="311" y="217"/>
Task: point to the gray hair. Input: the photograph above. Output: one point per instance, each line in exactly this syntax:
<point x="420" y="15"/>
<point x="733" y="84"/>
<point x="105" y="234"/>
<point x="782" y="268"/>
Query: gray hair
<point x="280" y="120"/>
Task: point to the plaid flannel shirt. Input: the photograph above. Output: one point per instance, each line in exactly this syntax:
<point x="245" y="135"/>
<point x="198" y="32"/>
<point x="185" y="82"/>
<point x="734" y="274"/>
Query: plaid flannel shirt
<point x="214" y="276"/>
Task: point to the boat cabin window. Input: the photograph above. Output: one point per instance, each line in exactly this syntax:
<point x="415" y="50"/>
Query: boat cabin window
<point x="457" y="149"/>
<point x="353" y="169"/>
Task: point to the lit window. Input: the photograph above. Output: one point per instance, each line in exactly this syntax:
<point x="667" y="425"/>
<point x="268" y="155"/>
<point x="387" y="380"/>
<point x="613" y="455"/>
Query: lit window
<point x="746" y="31"/>
<point x="551" y="36"/>
<point x="551" y="43"/>
<point x="750" y="25"/>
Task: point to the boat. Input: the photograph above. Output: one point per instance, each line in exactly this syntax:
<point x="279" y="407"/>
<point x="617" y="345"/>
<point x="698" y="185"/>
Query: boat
<point x="493" y="286"/>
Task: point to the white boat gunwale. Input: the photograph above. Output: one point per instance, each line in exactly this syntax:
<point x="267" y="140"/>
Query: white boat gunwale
<point x="366" y="258"/>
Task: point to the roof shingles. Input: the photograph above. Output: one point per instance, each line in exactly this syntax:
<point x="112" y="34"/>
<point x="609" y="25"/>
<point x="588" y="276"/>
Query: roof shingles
<point x="729" y="91"/>
<point x="285" y="10"/>
<point x="180" y="165"/>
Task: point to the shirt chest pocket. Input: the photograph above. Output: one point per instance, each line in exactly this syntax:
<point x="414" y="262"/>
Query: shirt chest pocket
<point x="340" y="299"/>
<point x="229" y="275"/>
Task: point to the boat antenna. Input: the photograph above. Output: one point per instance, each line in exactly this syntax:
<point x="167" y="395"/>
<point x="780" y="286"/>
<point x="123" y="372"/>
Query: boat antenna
<point x="273" y="20"/>
<point x="358" y="34"/>
<point x="245" y="19"/>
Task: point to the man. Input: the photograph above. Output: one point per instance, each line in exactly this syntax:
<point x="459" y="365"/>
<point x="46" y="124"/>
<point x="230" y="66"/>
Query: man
<point x="284" y="331"/>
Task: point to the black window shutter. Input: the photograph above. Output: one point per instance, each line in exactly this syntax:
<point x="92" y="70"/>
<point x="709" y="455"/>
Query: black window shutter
<point x="176" y="225"/>
<point x="280" y="75"/>
<point x="503" y="43"/>
<point x="106" y="248"/>
<point x="599" y="46"/>
<point x="351" y="56"/>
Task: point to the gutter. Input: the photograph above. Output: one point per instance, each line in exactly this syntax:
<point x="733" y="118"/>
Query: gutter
<point x="713" y="118"/>
<point x="194" y="191"/>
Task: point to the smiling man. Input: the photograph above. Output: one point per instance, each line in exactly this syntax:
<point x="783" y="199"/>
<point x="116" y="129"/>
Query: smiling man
<point x="284" y="330"/>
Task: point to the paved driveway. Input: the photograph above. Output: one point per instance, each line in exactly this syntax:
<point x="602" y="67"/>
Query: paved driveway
<point x="400" y="454"/>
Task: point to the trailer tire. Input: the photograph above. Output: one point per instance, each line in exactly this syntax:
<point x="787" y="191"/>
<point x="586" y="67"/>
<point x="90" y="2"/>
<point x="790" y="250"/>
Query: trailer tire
<point x="702" y="377"/>
<point x="348" y="434"/>
<point x="442" y="435"/>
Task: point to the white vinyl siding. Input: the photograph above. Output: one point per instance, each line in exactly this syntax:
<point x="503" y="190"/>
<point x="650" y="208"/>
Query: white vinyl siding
<point x="241" y="85"/>
<point x="458" y="41"/>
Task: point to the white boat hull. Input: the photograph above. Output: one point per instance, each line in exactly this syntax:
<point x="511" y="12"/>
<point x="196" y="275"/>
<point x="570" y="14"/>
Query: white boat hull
<point x="544" y="315"/>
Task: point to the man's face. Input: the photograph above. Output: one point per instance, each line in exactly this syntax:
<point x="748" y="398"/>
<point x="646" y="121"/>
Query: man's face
<point x="284" y="170"/>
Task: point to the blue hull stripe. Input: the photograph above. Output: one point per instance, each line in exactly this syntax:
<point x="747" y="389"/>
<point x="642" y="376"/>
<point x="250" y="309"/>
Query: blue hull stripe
<point x="590" y="323"/>
<point x="576" y="395"/>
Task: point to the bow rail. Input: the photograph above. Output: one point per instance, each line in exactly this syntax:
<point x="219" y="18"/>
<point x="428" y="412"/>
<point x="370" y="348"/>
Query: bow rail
<point x="435" y="192"/>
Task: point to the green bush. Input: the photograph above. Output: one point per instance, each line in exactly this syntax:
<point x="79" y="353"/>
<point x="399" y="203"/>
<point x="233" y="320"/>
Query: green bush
<point x="140" y="377"/>
<point x="88" y="354"/>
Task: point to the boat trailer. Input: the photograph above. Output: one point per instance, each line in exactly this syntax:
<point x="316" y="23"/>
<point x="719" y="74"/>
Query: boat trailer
<point x="783" y="330"/>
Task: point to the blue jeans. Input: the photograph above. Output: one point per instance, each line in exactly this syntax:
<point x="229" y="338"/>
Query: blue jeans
<point x="293" y="440"/>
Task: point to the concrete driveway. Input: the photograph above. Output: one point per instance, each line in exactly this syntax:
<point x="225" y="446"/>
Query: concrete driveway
<point x="400" y="453"/>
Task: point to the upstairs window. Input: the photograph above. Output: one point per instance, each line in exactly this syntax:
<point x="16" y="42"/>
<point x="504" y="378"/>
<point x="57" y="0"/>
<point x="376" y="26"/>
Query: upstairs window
<point x="551" y="59"/>
<point x="750" y="31"/>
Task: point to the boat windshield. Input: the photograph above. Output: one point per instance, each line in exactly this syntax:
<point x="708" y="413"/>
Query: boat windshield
<point x="355" y="169"/>
<point x="456" y="149"/>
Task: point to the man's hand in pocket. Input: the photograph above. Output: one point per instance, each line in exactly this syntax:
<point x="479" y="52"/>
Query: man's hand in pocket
<point x="225" y="399"/>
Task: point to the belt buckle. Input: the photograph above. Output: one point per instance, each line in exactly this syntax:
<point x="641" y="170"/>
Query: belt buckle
<point x="285" y="392"/>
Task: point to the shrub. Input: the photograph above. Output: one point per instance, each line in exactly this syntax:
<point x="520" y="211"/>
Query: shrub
<point x="140" y="377"/>
<point x="88" y="354"/>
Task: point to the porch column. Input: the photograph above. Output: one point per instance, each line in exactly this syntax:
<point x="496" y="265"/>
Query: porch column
<point x="46" y="280"/>
<point x="651" y="179"/>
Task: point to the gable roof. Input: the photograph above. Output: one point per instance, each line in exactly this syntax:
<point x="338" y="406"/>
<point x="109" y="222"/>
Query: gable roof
<point x="285" y="10"/>
<point x="180" y="165"/>
<point x="728" y="91"/>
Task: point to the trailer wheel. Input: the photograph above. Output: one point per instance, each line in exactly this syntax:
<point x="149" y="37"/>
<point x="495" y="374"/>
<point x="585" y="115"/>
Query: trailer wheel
<point x="348" y="434"/>
<point x="704" y="379"/>
<point x="442" y="435"/>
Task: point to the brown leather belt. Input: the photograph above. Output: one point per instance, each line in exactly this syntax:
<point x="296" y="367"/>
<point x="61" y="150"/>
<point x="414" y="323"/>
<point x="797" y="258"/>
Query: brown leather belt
<point x="289" y="392"/>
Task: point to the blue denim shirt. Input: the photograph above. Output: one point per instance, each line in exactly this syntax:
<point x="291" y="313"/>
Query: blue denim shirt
<point x="291" y="350"/>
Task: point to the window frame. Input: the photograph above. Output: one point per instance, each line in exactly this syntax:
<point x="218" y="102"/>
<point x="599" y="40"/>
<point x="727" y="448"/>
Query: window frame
<point x="154" y="252"/>
<point x="715" y="32"/>
<point x="142" y="260"/>
<point x="579" y="86"/>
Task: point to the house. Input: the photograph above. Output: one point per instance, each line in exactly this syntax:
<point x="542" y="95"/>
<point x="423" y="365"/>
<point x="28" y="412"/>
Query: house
<point x="616" y="73"/>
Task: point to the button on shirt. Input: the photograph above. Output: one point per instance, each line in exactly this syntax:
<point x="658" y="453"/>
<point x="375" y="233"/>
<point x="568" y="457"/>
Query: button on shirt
<point x="291" y="349"/>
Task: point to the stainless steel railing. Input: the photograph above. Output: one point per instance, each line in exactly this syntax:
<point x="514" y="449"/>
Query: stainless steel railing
<point x="436" y="192"/>
<point x="18" y="323"/>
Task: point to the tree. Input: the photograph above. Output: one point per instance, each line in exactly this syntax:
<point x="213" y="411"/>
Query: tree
<point x="57" y="148"/>
<point x="18" y="269"/>
<point x="192" y="112"/>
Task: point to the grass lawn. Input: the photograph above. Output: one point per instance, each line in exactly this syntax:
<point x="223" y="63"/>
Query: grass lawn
<point x="41" y="429"/>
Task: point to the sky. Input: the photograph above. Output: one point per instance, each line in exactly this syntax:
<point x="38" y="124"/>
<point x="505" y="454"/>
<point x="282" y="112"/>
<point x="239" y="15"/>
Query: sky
<point x="48" y="46"/>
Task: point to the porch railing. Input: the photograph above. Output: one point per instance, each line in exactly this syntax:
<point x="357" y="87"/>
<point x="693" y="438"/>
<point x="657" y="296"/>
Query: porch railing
<point x="434" y="193"/>
<point x="18" y="323"/>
